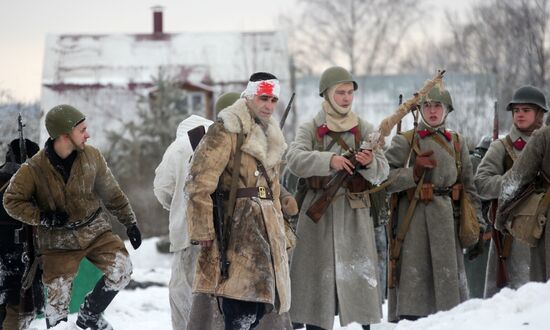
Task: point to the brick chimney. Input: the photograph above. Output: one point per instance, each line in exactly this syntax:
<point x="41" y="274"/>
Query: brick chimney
<point x="157" y="20"/>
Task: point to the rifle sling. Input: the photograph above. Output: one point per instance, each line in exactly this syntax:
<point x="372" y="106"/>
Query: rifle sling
<point x="234" y="180"/>
<point x="404" y="226"/>
<point x="336" y="136"/>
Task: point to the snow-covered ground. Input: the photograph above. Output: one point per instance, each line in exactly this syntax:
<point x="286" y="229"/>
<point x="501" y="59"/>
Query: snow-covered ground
<point x="526" y="308"/>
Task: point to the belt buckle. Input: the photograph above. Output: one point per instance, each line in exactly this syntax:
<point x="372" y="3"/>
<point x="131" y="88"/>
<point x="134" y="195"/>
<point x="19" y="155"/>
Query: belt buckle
<point x="262" y="192"/>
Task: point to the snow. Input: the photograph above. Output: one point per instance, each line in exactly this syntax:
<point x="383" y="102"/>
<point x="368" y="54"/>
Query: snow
<point x="525" y="308"/>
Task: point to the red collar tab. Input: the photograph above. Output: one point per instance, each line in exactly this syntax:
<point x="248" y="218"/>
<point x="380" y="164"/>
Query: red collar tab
<point x="426" y="132"/>
<point x="324" y="130"/>
<point x="519" y="144"/>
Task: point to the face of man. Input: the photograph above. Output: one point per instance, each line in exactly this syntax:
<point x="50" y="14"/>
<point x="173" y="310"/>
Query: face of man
<point x="433" y="113"/>
<point x="79" y="135"/>
<point x="343" y="95"/>
<point x="263" y="106"/>
<point x="524" y="115"/>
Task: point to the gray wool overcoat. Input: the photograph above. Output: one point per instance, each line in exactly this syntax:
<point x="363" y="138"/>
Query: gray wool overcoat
<point x="334" y="269"/>
<point x="488" y="181"/>
<point x="535" y="158"/>
<point x="431" y="274"/>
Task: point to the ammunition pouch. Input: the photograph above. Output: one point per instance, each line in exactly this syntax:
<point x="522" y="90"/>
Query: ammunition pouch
<point x="426" y="192"/>
<point x="356" y="184"/>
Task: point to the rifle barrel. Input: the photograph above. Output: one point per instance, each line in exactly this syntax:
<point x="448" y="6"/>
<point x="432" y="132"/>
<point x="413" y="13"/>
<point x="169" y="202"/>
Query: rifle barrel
<point x="287" y="110"/>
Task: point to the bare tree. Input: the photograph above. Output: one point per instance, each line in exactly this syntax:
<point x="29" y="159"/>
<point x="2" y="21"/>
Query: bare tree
<point x="505" y="38"/>
<point x="362" y="35"/>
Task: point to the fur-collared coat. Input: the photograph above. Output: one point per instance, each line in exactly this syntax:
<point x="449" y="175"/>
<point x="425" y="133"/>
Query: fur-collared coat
<point x="257" y="248"/>
<point x="534" y="158"/>
<point x="431" y="275"/>
<point x="488" y="181"/>
<point x="335" y="264"/>
<point x="90" y="185"/>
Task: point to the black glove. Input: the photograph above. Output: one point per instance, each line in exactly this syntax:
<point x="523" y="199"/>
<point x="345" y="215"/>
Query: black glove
<point x="53" y="219"/>
<point x="134" y="235"/>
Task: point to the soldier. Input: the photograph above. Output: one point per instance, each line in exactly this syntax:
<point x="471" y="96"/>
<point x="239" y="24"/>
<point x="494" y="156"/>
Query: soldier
<point x="479" y="152"/>
<point x="430" y="275"/>
<point x="527" y="107"/>
<point x="243" y="152"/>
<point x="65" y="191"/>
<point x="532" y="165"/>
<point x="334" y="267"/>
<point x="475" y="260"/>
<point x="168" y="188"/>
<point x="14" y="312"/>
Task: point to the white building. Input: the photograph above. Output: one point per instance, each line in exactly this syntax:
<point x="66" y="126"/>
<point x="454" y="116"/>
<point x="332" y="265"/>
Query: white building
<point x="104" y="75"/>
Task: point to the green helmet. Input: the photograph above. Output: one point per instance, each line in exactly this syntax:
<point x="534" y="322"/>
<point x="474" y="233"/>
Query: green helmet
<point x="335" y="75"/>
<point x="61" y="119"/>
<point x="439" y="95"/>
<point x="225" y="100"/>
<point x="528" y="94"/>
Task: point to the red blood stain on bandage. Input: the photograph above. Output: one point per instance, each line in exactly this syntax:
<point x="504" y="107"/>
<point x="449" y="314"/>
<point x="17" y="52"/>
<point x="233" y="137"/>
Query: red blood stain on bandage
<point x="265" y="88"/>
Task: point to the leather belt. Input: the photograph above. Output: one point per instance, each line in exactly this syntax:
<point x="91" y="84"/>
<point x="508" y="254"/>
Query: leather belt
<point x="260" y="192"/>
<point x="83" y="222"/>
<point x="443" y="191"/>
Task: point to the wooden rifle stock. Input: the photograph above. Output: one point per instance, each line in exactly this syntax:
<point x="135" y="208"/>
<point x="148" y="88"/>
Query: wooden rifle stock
<point x="497" y="236"/>
<point x="498" y="239"/>
<point x="320" y="206"/>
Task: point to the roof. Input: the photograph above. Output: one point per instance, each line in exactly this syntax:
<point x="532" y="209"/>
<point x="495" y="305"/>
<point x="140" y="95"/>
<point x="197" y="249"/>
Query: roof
<point x="72" y="61"/>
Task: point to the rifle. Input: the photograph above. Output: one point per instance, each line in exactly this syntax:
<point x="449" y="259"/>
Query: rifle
<point x="287" y="110"/>
<point x="391" y="227"/>
<point x="320" y="206"/>
<point x="222" y="233"/>
<point x="22" y="144"/>
<point x="497" y="236"/>
<point x="25" y="237"/>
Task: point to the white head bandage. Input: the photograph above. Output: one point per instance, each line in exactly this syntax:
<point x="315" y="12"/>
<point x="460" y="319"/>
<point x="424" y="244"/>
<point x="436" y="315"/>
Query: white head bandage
<point x="269" y="87"/>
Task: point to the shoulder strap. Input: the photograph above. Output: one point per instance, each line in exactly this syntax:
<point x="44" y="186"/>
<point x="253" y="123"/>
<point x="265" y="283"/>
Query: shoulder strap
<point x="458" y="159"/>
<point x="236" y="170"/>
<point x="337" y="136"/>
<point x="263" y="171"/>
<point x="412" y="138"/>
<point x="508" y="145"/>
<point x="437" y="138"/>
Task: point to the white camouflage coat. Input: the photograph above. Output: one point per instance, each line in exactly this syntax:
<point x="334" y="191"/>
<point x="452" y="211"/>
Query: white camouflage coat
<point x="334" y="267"/>
<point x="170" y="178"/>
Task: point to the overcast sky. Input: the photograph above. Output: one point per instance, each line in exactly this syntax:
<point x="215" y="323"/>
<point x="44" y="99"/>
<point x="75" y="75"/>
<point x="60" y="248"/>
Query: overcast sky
<point x="25" y="23"/>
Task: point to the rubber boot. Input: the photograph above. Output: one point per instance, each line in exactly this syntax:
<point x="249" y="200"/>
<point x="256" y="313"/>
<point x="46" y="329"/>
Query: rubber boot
<point x="95" y="303"/>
